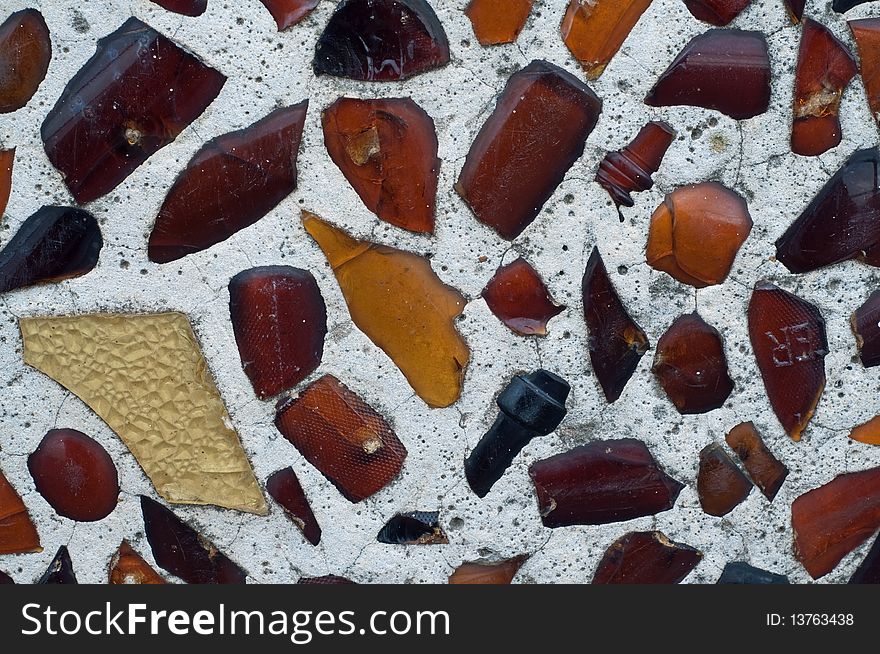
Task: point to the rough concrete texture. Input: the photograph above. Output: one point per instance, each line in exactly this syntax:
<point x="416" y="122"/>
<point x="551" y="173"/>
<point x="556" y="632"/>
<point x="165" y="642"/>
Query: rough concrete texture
<point x="267" y="69"/>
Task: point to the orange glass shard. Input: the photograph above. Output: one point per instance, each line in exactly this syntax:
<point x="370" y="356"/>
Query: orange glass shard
<point x="289" y="12"/>
<point x="498" y="21"/>
<point x="478" y="572"/>
<point x="25" y="52"/>
<point x="767" y="472"/>
<point x="520" y="299"/>
<point x="17" y="532"/>
<point x="867" y="36"/>
<point x="646" y="557"/>
<point x="129" y="567"/>
<point x="7" y="159"/>
<point x="398" y="301"/>
<point x="868" y="433"/>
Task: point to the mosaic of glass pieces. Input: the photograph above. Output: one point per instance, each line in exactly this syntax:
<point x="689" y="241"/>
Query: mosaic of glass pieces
<point x="17" y="531"/>
<point x="520" y="299"/>
<point x="60" y="570"/>
<point x="766" y="471"/>
<point x="25" y="53"/>
<point x="289" y="12"/>
<point x="129" y="567"/>
<point x="721" y="485"/>
<point x="285" y="488"/>
<point x="646" y="557"/>
<point x="738" y="572"/>
<point x="413" y="528"/>
<point x="498" y="21"/>
<point x="480" y="572"/>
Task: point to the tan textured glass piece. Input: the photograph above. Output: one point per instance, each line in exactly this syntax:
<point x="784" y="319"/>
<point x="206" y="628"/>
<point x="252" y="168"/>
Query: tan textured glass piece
<point x="146" y="377"/>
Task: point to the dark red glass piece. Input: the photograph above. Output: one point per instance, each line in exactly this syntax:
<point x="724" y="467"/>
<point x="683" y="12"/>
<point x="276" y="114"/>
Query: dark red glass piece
<point x="498" y="21"/>
<point x="381" y="41"/>
<point x="387" y="150"/>
<point x="738" y="572"/>
<point x="866" y="327"/>
<point x="600" y="483"/>
<point x="716" y="12"/>
<point x="183" y="552"/>
<point x="795" y="9"/>
<point x="788" y="338"/>
<point x="519" y="298"/>
<point x="232" y="182"/>
<point x="721" y="485"/>
<point x="5" y="579"/>
<point x="646" y="557"/>
<point x="343" y="437"/>
<point x="132" y="98"/>
<point x="128" y="567"/>
<point x="842" y="6"/>
<point x="289" y="12"/>
<point x="537" y="131"/>
<point x="326" y="580"/>
<point x="7" y="160"/>
<point x="55" y="243"/>
<point x="767" y="472"/>
<point x="866" y="33"/>
<point x="280" y="321"/>
<point x="868" y="571"/>
<point x="25" y="52"/>
<point x="75" y="475"/>
<point x="17" y="532"/>
<point x="723" y="69"/>
<point x="414" y="528"/>
<point x="60" y="571"/>
<point x="185" y="7"/>
<point x="616" y="342"/>
<point x="284" y="487"/>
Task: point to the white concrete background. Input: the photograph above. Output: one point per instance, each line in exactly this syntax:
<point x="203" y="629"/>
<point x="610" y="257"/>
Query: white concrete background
<point x="267" y="69"/>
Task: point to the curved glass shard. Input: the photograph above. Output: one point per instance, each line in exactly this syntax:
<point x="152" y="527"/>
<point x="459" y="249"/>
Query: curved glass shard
<point x="25" y="52"/>
<point x="289" y="12"/>
<point x="284" y="487"/>
<point x="629" y="170"/>
<point x="517" y="295"/>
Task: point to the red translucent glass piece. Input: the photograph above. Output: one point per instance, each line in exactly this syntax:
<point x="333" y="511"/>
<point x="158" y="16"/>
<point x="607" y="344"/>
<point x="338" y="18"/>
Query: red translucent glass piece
<point x="629" y="170"/>
<point x="7" y="159"/>
<point x="866" y="327"/>
<point x="25" y="52"/>
<point x="646" y="557"/>
<point x="498" y="21"/>
<point x="60" y="571"/>
<point x="767" y="472"/>
<point x="17" y="531"/>
<point x="289" y="12"/>
<point x="185" y="7"/>
<point x="128" y="567"/>
<point x="716" y="12"/>
<point x="284" y="487"/>
<point x="520" y="299"/>
<point x="867" y="36"/>
<point x="721" y="485"/>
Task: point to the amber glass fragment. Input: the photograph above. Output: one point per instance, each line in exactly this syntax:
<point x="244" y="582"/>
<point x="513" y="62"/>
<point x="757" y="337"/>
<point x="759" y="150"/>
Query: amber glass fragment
<point x="616" y="342"/>
<point x="867" y="433"/>
<point x="795" y="9"/>
<point x="829" y="522"/>
<point x="865" y="324"/>
<point x="5" y="579"/>
<point x="381" y="41"/>
<point x="387" y="150"/>
<point x="183" y="552"/>
<point x="326" y="580"/>
<point x="716" y="12"/>
<point x="519" y="298"/>
<point x="721" y="485"/>
<point x="867" y="36"/>
<point x="75" y="475"/>
<point x="594" y="31"/>
<point x="185" y="7"/>
<point x="767" y="472"/>
<point x="7" y="159"/>
<point x="537" y="131"/>
<point x="284" y="487"/>
<point x="646" y="557"/>
<point x="280" y="321"/>
<point x="842" y="6"/>
<point x="737" y="572"/>
<point x="600" y="483"/>
<point x="17" y="532"/>
<point x="415" y="528"/>
<point x="691" y="366"/>
<point x="60" y="571"/>
<point x="722" y="69"/>
<point x="479" y="572"/>
<point x="343" y="437"/>
<point x="498" y="21"/>
<point x="25" y="52"/>
<point x="868" y="571"/>
<point x="788" y="338"/>
<point x="132" y="98"/>
<point x="398" y="301"/>
<point x="129" y="567"/>
<point x="289" y="12"/>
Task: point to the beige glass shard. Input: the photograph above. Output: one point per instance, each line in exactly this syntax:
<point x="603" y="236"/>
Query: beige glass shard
<point x="146" y="377"/>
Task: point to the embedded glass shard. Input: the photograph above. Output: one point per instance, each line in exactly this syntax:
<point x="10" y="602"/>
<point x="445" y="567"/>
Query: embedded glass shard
<point x="720" y="484"/>
<point x="185" y="7"/>
<point x="343" y="437"/>
<point x="400" y="303"/>
<point x="157" y="393"/>
<point x="498" y="21"/>
<point x="326" y="580"/>
<point x="842" y="6"/>
<point x="17" y="532"/>
<point x="132" y="98"/>
<point x="615" y="341"/>
<point x="594" y="31"/>
<point x="691" y="367"/>
<point x="867" y="36"/>
<point x="737" y="572"/>
<point x="788" y="338"/>
<point x="868" y="433"/>
<point x="129" y="567"/>
<point x="602" y="482"/>
<point x="387" y="150"/>
<point x="60" y="571"/>
<point x="723" y="69"/>
<point x="766" y="471"/>
<point x="646" y="557"/>
<point x="25" y="52"/>
<point x="415" y="528"/>
<point x="289" y="12"/>
<point x="5" y="579"/>
<point x="479" y="572"/>
<point x="54" y="244"/>
<point x="280" y="321"/>
<point x="716" y="12"/>
<point x="795" y="9"/>
<point x="868" y="571"/>
<point x="75" y="475"/>
<point x="521" y="154"/>
<point x="865" y="323"/>
<point x="519" y="298"/>
<point x="7" y="159"/>
<point x="381" y="41"/>
<point x="284" y="487"/>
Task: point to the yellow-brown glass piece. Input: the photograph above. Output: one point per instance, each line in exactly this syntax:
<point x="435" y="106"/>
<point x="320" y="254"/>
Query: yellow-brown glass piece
<point x="17" y="532"/>
<point x="129" y="567"/>
<point x="498" y="21"/>
<point x="867" y="433"/>
<point x="7" y="158"/>
<point x="398" y="301"/>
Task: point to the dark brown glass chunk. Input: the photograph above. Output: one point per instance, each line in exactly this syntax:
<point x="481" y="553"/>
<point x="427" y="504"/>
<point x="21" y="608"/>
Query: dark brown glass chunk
<point x="280" y="321"/>
<point x="60" y="571"/>
<point x="5" y="579"/>
<point x="600" y="483"/>
<point x="232" y="182"/>
<point x="326" y="580"/>
<point x="537" y="131"/>
<point x="343" y="437"/>
<point x="594" y="31"/>
<point x="25" y="52"/>
<point x="691" y="366"/>
<point x="132" y="98"/>
<point x="289" y="12"/>
<point x="788" y="338"/>
<point x="739" y="572"/>
<point x="716" y="12"/>
<point x="498" y="21"/>
<point x="767" y="472"/>
<point x="17" y="532"/>
<point x="865" y="324"/>
<point x="479" y="572"/>
<point x="284" y="487"/>
<point x="185" y="7"/>
<point x="381" y="41"/>
<point x="795" y="9"/>
<point x="646" y="557"/>
<point x="387" y="150"/>
<point x="183" y="552"/>
<point x="129" y="567"/>
<point x="721" y="485"/>
<point x="867" y="36"/>
<point x="75" y="475"/>
<point x="519" y="298"/>
<point x="415" y="528"/>
<point x="868" y="571"/>
<point x="7" y="159"/>
<point x="616" y="342"/>
<point x="722" y="69"/>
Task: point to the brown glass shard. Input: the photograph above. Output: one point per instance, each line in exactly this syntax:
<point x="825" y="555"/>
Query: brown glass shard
<point x="600" y="483"/>
<point x="867" y="36"/>
<point x="131" y="99"/>
<point x="398" y="301"/>
<point x="868" y="433"/>
<point x="25" y="52"/>
<point x="75" y="475"/>
<point x="795" y="9"/>
<point x="721" y="485"/>
<point x="183" y="552"/>
<point x="60" y="571"/>
<point x="414" y="528"/>
<point x="766" y="471"/>
<point x="185" y="7"/>
<point x="616" y="342"/>
<point x="594" y="31"/>
<point x="829" y="522"/>
<point x="326" y="580"/>
<point x="722" y="69"/>
<point x="646" y="557"/>
<point x="280" y="321"/>
<point x="343" y="437"/>
<point x="788" y="338"/>
<point x="289" y="12"/>
<point x="381" y="41"/>
<point x="498" y="21"/>
<point x="520" y="156"/>
<point x="129" y="567"/>
<point x="284" y="487"/>
<point x="387" y="150"/>
<point x="691" y="367"/>
<point x="868" y="571"/>
<point x="865" y="323"/>
<point x="520" y="299"/>
<point x="157" y="393"/>
<point x="7" y="159"/>
<point x="480" y="572"/>
<point x="17" y="532"/>
<point x="716" y="12"/>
